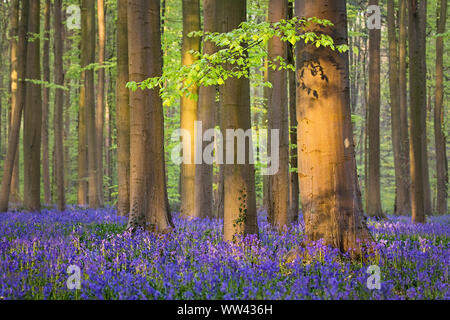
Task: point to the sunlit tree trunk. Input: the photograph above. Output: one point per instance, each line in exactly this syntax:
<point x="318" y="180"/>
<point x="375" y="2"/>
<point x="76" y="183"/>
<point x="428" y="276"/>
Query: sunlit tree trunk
<point x="189" y="106"/>
<point x="373" y="188"/>
<point x="14" y="25"/>
<point x="138" y="107"/>
<point x="279" y="120"/>
<point x="239" y="179"/>
<point x="100" y="106"/>
<point x="33" y="116"/>
<point x="18" y="52"/>
<point x="325" y="136"/>
<point x="417" y="88"/>
<point x="203" y="205"/>
<point x="82" y="195"/>
<point x="439" y="123"/>
<point x="108" y="138"/>
<point x="148" y="193"/>
<point x="59" y="107"/>
<point x="123" y="112"/>
<point x="293" y="186"/>
<point x="403" y="199"/>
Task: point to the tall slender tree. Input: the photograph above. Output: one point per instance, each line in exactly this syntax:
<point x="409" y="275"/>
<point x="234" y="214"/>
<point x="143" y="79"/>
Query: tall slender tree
<point x="45" y="104"/>
<point x="403" y="198"/>
<point x="293" y="185"/>
<point x="189" y="105"/>
<point x="59" y="107"/>
<point x="18" y="52"/>
<point x="439" y="123"/>
<point x="326" y="160"/>
<point x="123" y="112"/>
<point x="148" y="193"/>
<point x="278" y="208"/>
<point x="422" y="38"/>
<point x="203" y="205"/>
<point x="14" y="25"/>
<point x="373" y="188"/>
<point x="417" y="88"/>
<point x="87" y="59"/>
<point x="100" y="106"/>
<point x="82" y="195"/>
<point x="33" y="114"/>
<point x="239" y="179"/>
<point x="396" y="124"/>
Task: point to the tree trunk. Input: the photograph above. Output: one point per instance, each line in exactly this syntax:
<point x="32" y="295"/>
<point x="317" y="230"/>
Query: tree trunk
<point x="14" y="196"/>
<point x="439" y="123"/>
<point x="33" y="116"/>
<point x="18" y="53"/>
<point x="422" y="39"/>
<point x="417" y="88"/>
<point x="395" y="109"/>
<point x="100" y="106"/>
<point x="59" y="108"/>
<point x="189" y="106"/>
<point x="45" y="105"/>
<point x="203" y="205"/>
<point x="403" y="200"/>
<point x="366" y="126"/>
<point x="123" y="113"/>
<point x="148" y="193"/>
<point x="293" y="186"/>
<point x="279" y="120"/>
<point x="82" y="147"/>
<point x="325" y="136"/>
<point x="87" y="58"/>
<point x="67" y="43"/>
<point x="239" y="179"/>
<point x="108" y="138"/>
<point x="373" y="188"/>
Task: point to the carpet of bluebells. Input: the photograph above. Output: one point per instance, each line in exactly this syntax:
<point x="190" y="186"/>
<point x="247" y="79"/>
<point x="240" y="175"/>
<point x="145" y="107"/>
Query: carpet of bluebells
<point x="193" y="263"/>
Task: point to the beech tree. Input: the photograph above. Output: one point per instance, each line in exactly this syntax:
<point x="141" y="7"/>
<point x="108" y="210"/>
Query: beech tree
<point x="278" y="202"/>
<point x="293" y="185"/>
<point x="203" y="202"/>
<point x="33" y="114"/>
<point x="189" y="104"/>
<point x="373" y="188"/>
<point x="402" y="197"/>
<point x="239" y="179"/>
<point x="46" y="104"/>
<point x="439" y="124"/>
<point x="403" y="191"/>
<point x="59" y="107"/>
<point x="87" y="103"/>
<point x="326" y="160"/>
<point x="18" y="52"/>
<point x="148" y="194"/>
<point x="417" y="89"/>
<point x="123" y="112"/>
<point x="100" y="106"/>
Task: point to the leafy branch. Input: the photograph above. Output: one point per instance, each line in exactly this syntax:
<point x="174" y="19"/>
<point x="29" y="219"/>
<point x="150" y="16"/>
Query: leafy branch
<point x="237" y="51"/>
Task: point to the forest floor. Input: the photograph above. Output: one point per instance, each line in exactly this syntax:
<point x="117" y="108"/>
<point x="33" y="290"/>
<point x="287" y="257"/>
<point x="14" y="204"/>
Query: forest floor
<point x="193" y="263"/>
